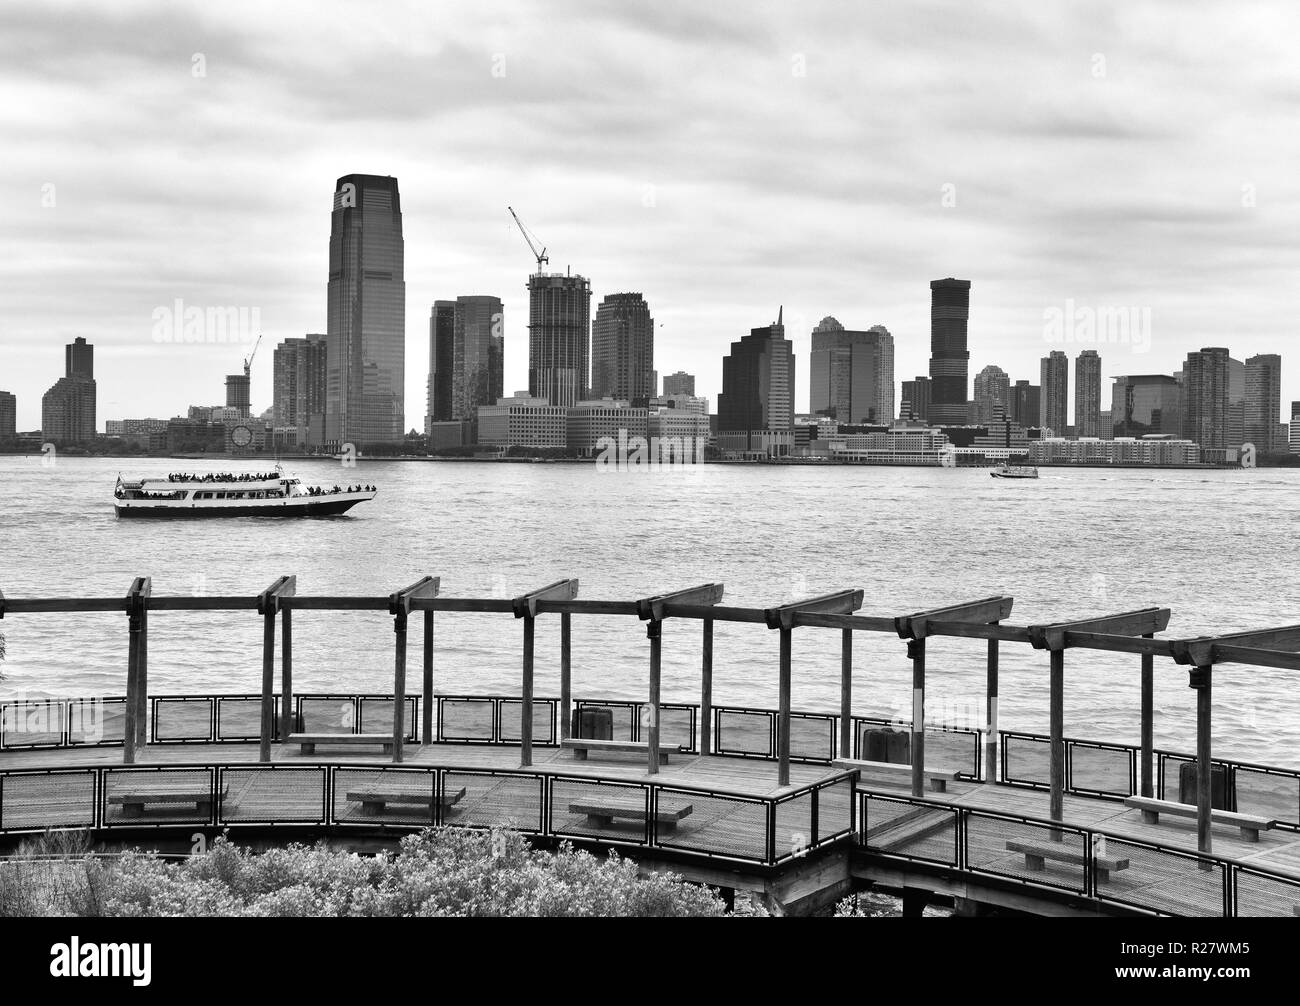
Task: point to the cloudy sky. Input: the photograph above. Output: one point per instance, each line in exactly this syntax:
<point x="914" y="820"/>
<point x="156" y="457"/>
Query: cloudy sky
<point x="723" y="159"/>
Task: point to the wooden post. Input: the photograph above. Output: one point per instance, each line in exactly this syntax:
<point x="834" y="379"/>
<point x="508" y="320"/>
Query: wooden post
<point x="654" y="629"/>
<point x="426" y="721"/>
<point x="566" y="675"/>
<point x="286" y="675"/>
<point x="916" y="650"/>
<point x="130" y="732"/>
<point x="1148" y="724"/>
<point x="706" y="689"/>
<point x="783" y="712"/>
<point x="846" y="693"/>
<point x="526" y="706"/>
<point x="1056" y="745"/>
<point x="399" y="687"/>
<point x="1200" y="680"/>
<point x="268" y="681"/>
<point x="142" y="678"/>
<point x="991" y="724"/>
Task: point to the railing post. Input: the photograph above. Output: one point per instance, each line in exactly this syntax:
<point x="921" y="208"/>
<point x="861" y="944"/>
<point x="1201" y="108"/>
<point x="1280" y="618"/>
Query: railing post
<point x="991" y="716"/>
<point x="654" y="630"/>
<point x="1056" y="739"/>
<point x="526" y="705"/>
<point x="286" y="675"/>
<point x="566" y="674"/>
<point x="916" y="650"/>
<point x="783" y="711"/>
<point x="846" y="693"/>
<point x="142" y="676"/>
<point x="399" y="685"/>
<point x="268" y="682"/>
<point x="706" y="689"/>
<point x="1148" y="722"/>
<point x="1200" y="681"/>
<point x="426" y="723"/>
<point x="130" y="734"/>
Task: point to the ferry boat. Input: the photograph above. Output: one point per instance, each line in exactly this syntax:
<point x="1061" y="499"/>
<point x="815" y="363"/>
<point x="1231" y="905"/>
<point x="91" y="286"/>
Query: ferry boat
<point x="271" y="494"/>
<point x="1015" y="472"/>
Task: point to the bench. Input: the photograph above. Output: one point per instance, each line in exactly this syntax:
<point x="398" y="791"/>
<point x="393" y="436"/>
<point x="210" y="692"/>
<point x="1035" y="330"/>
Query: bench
<point x="374" y="799"/>
<point x="136" y="798"/>
<point x="581" y="745"/>
<point x="602" y="812"/>
<point x="938" y="778"/>
<point x="1250" y="824"/>
<point x="1037" y="853"/>
<point x="309" y="741"/>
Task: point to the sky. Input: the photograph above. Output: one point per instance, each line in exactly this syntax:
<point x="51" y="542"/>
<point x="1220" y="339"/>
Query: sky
<point x="724" y="159"/>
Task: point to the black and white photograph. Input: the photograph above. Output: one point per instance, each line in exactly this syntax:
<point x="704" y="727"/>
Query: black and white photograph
<point x="581" y="459"/>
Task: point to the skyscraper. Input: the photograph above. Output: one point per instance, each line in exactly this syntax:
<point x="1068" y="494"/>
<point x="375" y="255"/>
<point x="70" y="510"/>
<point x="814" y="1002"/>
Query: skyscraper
<point x="1055" y="383"/>
<point x="1293" y="430"/>
<point x="851" y="374"/>
<point x="1087" y="394"/>
<point x="559" y="337"/>
<point x="478" y="343"/>
<point x="623" y="349"/>
<point x="1263" y="401"/>
<point x="8" y="416"/>
<point x="1026" y="405"/>
<point x="1142" y="404"/>
<point x="1205" y="397"/>
<point x="949" y="358"/>
<point x="915" y="403"/>
<point x="442" y="354"/>
<point x="238" y="394"/>
<point x="680" y="383"/>
<point x="992" y="396"/>
<point x="756" y="407"/>
<point x="366" y="319"/>
<point x="298" y="390"/>
<point x="68" y="408"/>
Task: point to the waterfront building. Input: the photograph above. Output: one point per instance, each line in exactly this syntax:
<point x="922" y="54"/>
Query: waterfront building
<point x="1206" y="397"/>
<point x="609" y="419"/>
<point x="1105" y="425"/>
<point x="1087" y="394"/>
<point x="1149" y="450"/>
<point x="8" y="416"/>
<point x="851" y="374"/>
<point x="756" y="407"/>
<point x="678" y="435"/>
<point x="915" y="404"/>
<point x="522" y="420"/>
<point x="680" y="383"/>
<point x="1054" y="371"/>
<point x="298" y="391"/>
<point x="68" y="408"/>
<point x="1143" y="404"/>
<point x="949" y="356"/>
<point x="366" y="317"/>
<point x="442" y="353"/>
<point x="1025" y="404"/>
<point x="900" y="444"/>
<point x="559" y="337"/>
<point x="1263" y="402"/>
<point x="992" y="395"/>
<point x="1293" y="429"/>
<point x="623" y="349"/>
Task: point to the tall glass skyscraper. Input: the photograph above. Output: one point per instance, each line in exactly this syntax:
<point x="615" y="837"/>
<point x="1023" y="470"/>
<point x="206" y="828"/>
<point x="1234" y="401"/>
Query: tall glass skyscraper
<point x="559" y="337"/>
<point x="851" y="374"/>
<point x="442" y="354"/>
<point x="478" y="341"/>
<point x="366" y="319"/>
<point x="623" y="348"/>
<point x="949" y="357"/>
<point x="756" y="407"/>
<point x="1143" y="404"/>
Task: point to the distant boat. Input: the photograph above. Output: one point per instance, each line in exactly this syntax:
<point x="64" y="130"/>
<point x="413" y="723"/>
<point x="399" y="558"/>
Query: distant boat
<point x="271" y="494"/>
<point x="1015" y="472"/>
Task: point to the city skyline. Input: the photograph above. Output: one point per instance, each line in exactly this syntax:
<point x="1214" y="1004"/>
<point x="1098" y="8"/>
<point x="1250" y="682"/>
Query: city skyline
<point x="1108" y="185"/>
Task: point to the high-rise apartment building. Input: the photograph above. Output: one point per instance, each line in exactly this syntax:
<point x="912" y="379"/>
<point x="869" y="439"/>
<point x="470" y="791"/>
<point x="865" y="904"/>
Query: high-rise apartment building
<point x="992" y="396"/>
<point x="623" y="349"/>
<point x="442" y="354"/>
<point x="680" y="383"/>
<point x="1054" y="403"/>
<point x="366" y="319"/>
<point x="1087" y="394"/>
<point x="68" y="408"/>
<point x="949" y="357"/>
<point x="756" y="407"/>
<point x="851" y="374"/>
<point x="1026" y="404"/>
<point x="8" y="416"/>
<point x="1206" y="398"/>
<point x="915" y="399"/>
<point x="1263" y="401"/>
<point x="559" y="337"/>
<point x="298" y="388"/>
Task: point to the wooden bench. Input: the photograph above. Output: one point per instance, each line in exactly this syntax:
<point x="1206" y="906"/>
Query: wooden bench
<point x="137" y="797"/>
<point x="602" y="812"/>
<point x="894" y="772"/>
<point x="309" y="741"/>
<point x="1037" y="853"/>
<point x="1250" y="824"/>
<point x="374" y="799"/>
<point x="581" y="745"/>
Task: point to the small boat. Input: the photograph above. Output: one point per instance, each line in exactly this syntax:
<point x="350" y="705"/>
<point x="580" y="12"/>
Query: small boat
<point x="270" y="494"/>
<point x="1015" y="472"/>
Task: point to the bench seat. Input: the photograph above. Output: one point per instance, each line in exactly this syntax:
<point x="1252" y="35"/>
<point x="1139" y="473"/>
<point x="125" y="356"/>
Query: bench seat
<point x="1037" y="853"/>
<point x="135" y="799"/>
<point x="1250" y="824"/>
<point x="308" y="742"/>
<point x="580" y="746"/>
<point x="374" y="799"/>
<point x="603" y="812"/>
<point x="938" y="778"/>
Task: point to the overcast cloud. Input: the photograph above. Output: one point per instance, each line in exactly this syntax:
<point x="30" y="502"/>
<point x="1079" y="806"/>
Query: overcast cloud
<point x="724" y="159"/>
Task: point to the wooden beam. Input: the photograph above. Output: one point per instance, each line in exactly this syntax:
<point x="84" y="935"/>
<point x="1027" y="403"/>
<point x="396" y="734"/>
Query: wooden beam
<point x="977" y="630"/>
<point x="566" y="675"/>
<point x="1199" y="679"/>
<point x="426" y="690"/>
<point x="525" y="605"/>
<point x="421" y="589"/>
<point x="990" y="609"/>
<point x="526" y="697"/>
<point x="1120" y="644"/>
<point x="1227" y="654"/>
<point x="1056" y="735"/>
<point x="1147" y="740"/>
<point x="399" y="606"/>
<point x="655" y="630"/>
<point x="286" y="674"/>
<point x="1052" y="636"/>
<point x="715" y="612"/>
<point x="846" y="693"/>
<point x="656" y="607"/>
<point x="706" y="688"/>
<point x="783" y="712"/>
<point x="991" y="714"/>
<point x="916" y="650"/>
<point x="1206" y="650"/>
<point x="843" y="602"/>
<point x="269" y="604"/>
<point x="853" y="623"/>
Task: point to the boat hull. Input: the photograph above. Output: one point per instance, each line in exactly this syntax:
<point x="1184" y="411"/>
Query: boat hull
<point x="310" y="506"/>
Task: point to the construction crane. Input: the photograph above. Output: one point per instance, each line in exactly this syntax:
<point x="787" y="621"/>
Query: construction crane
<point x="528" y="236"/>
<point x="248" y="363"/>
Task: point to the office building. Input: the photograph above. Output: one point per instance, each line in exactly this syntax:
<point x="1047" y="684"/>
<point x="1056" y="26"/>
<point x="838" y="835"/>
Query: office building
<point x="756" y="407"/>
<point x="559" y="337"/>
<point x="68" y="408"/>
<point x="8" y="416"/>
<point x="478" y="348"/>
<point x="915" y="404"/>
<point x="442" y="353"/>
<point x="680" y="383"/>
<point x="1263" y="402"/>
<point x="522" y="421"/>
<point x="992" y="398"/>
<point x="949" y="357"/>
<point x="1054" y="374"/>
<point x="1087" y="394"/>
<point x="366" y="320"/>
<point x="1293" y="429"/>
<point x="851" y="374"/>
<point x="1143" y="404"/>
<point x="1206" y="398"/>
<point x="1026" y="406"/>
<point x="623" y="349"/>
<point x="608" y="419"/>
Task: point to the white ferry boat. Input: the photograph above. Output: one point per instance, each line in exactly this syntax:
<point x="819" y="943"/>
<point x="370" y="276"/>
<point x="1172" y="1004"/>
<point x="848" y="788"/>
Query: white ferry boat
<point x="1015" y="472"/>
<point x="270" y="494"/>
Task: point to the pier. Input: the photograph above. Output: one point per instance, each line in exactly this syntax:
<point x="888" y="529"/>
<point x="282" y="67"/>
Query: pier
<point x="798" y="806"/>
